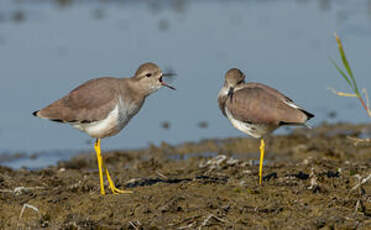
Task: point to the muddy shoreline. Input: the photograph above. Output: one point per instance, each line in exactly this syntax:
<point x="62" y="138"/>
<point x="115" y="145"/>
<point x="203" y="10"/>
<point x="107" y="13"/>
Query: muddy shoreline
<point x="314" y="179"/>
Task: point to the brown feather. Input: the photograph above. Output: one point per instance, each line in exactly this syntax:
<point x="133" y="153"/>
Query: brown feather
<point x="260" y="104"/>
<point x="91" y="101"/>
<point x="269" y="90"/>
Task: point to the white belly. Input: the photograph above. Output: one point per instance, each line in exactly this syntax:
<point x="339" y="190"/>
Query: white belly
<point x="115" y="121"/>
<point x="254" y="130"/>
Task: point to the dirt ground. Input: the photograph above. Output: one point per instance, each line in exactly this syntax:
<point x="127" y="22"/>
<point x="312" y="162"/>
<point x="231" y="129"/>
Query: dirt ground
<point x="313" y="179"/>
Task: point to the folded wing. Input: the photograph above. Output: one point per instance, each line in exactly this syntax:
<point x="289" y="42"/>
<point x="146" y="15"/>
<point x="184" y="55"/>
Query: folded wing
<point x="91" y="101"/>
<point x="260" y="104"/>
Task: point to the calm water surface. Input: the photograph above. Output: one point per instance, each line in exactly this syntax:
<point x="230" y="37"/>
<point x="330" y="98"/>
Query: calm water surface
<point x="48" y="48"/>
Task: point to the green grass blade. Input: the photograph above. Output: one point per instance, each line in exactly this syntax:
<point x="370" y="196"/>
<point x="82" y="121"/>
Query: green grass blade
<point x="346" y="65"/>
<point x="342" y="74"/>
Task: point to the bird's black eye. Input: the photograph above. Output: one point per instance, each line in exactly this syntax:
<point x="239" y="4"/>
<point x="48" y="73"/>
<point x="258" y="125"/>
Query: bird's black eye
<point x="148" y="74"/>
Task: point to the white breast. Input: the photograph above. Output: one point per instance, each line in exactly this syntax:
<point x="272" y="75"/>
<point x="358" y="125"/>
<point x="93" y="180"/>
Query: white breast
<point x="126" y="112"/>
<point x="115" y="121"/>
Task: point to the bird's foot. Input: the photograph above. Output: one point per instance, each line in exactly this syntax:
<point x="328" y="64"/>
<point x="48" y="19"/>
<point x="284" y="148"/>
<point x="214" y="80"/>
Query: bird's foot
<point x="102" y="165"/>
<point x="113" y="187"/>
<point x="119" y="191"/>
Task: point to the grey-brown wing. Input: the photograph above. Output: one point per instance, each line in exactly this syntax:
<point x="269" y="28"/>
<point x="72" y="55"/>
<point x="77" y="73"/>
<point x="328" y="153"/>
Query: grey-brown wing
<point x="286" y="100"/>
<point x="269" y="90"/>
<point x="256" y="105"/>
<point x="89" y="102"/>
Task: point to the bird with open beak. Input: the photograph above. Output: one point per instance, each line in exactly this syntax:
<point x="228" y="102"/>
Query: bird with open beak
<point x="102" y="107"/>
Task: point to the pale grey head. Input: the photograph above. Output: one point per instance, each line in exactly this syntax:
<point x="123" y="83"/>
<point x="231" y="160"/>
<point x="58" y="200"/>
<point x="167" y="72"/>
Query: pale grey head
<point x="234" y="77"/>
<point x="150" y="77"/>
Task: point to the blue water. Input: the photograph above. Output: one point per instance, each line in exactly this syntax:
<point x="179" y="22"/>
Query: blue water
<point x="46" y="49"/>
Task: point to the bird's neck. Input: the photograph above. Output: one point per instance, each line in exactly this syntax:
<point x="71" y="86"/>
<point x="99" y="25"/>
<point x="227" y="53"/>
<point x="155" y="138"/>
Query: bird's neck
<point x="222" y="98"/>
<point x="132" y="89"/>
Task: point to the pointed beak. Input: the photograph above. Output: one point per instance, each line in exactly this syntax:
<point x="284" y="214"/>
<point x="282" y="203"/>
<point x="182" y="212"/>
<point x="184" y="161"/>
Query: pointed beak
<point x="169" y="74"/>
<point x="165" y="84"/>
<point x="230" y="91"/>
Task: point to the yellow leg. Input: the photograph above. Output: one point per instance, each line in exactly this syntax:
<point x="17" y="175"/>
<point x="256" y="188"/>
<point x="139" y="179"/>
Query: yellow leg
<point x="262" y="146"/>
<point x="112" y="184"/>
<point x="100" y="163"/>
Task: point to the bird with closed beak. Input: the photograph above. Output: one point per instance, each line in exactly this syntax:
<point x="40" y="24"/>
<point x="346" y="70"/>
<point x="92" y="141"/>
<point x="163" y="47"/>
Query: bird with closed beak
<point x="257" y="109"/>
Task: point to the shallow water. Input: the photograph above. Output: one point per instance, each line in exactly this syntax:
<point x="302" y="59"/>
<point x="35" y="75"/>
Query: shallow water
<point x="46" y="49"/>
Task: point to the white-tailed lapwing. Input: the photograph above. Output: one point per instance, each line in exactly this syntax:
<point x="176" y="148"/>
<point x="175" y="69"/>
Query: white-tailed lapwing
<point x="102" y="107"/>
<point x="257" y="109"/>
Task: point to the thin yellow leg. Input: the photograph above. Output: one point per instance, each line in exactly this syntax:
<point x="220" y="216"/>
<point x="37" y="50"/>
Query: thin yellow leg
<point x="100" y="163"/>
<point x="262" y="146"/>
<point x="112" y="184"/>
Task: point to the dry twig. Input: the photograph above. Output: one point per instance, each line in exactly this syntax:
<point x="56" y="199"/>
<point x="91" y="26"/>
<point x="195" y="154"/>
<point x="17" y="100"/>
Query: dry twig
<point x="162" y="175"/>
<point x="357" y="141"/>
<point x="27" y="206"/>
<point x="23" y="210"/>
<point x="361" y="181"/>
<point x="136" y="225"/>
<point x="187" y="226"/>
<point x="313" y="180"/>
<point x="21" y="189"/>
<point x="209" y="218"/>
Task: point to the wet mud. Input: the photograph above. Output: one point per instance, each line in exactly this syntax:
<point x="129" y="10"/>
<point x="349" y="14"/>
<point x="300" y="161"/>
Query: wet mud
<point x="313" y="179"/>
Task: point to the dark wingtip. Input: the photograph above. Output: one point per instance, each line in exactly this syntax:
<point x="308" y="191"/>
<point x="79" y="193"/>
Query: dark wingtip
<point x="308" y="114"/>
<point x="57" y="120"/>
<point x="35" y="113"/>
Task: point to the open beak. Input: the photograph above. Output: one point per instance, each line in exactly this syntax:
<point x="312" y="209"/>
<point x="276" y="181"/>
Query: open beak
<point x="165" y="84"/>
<point x="169" y="74"/>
